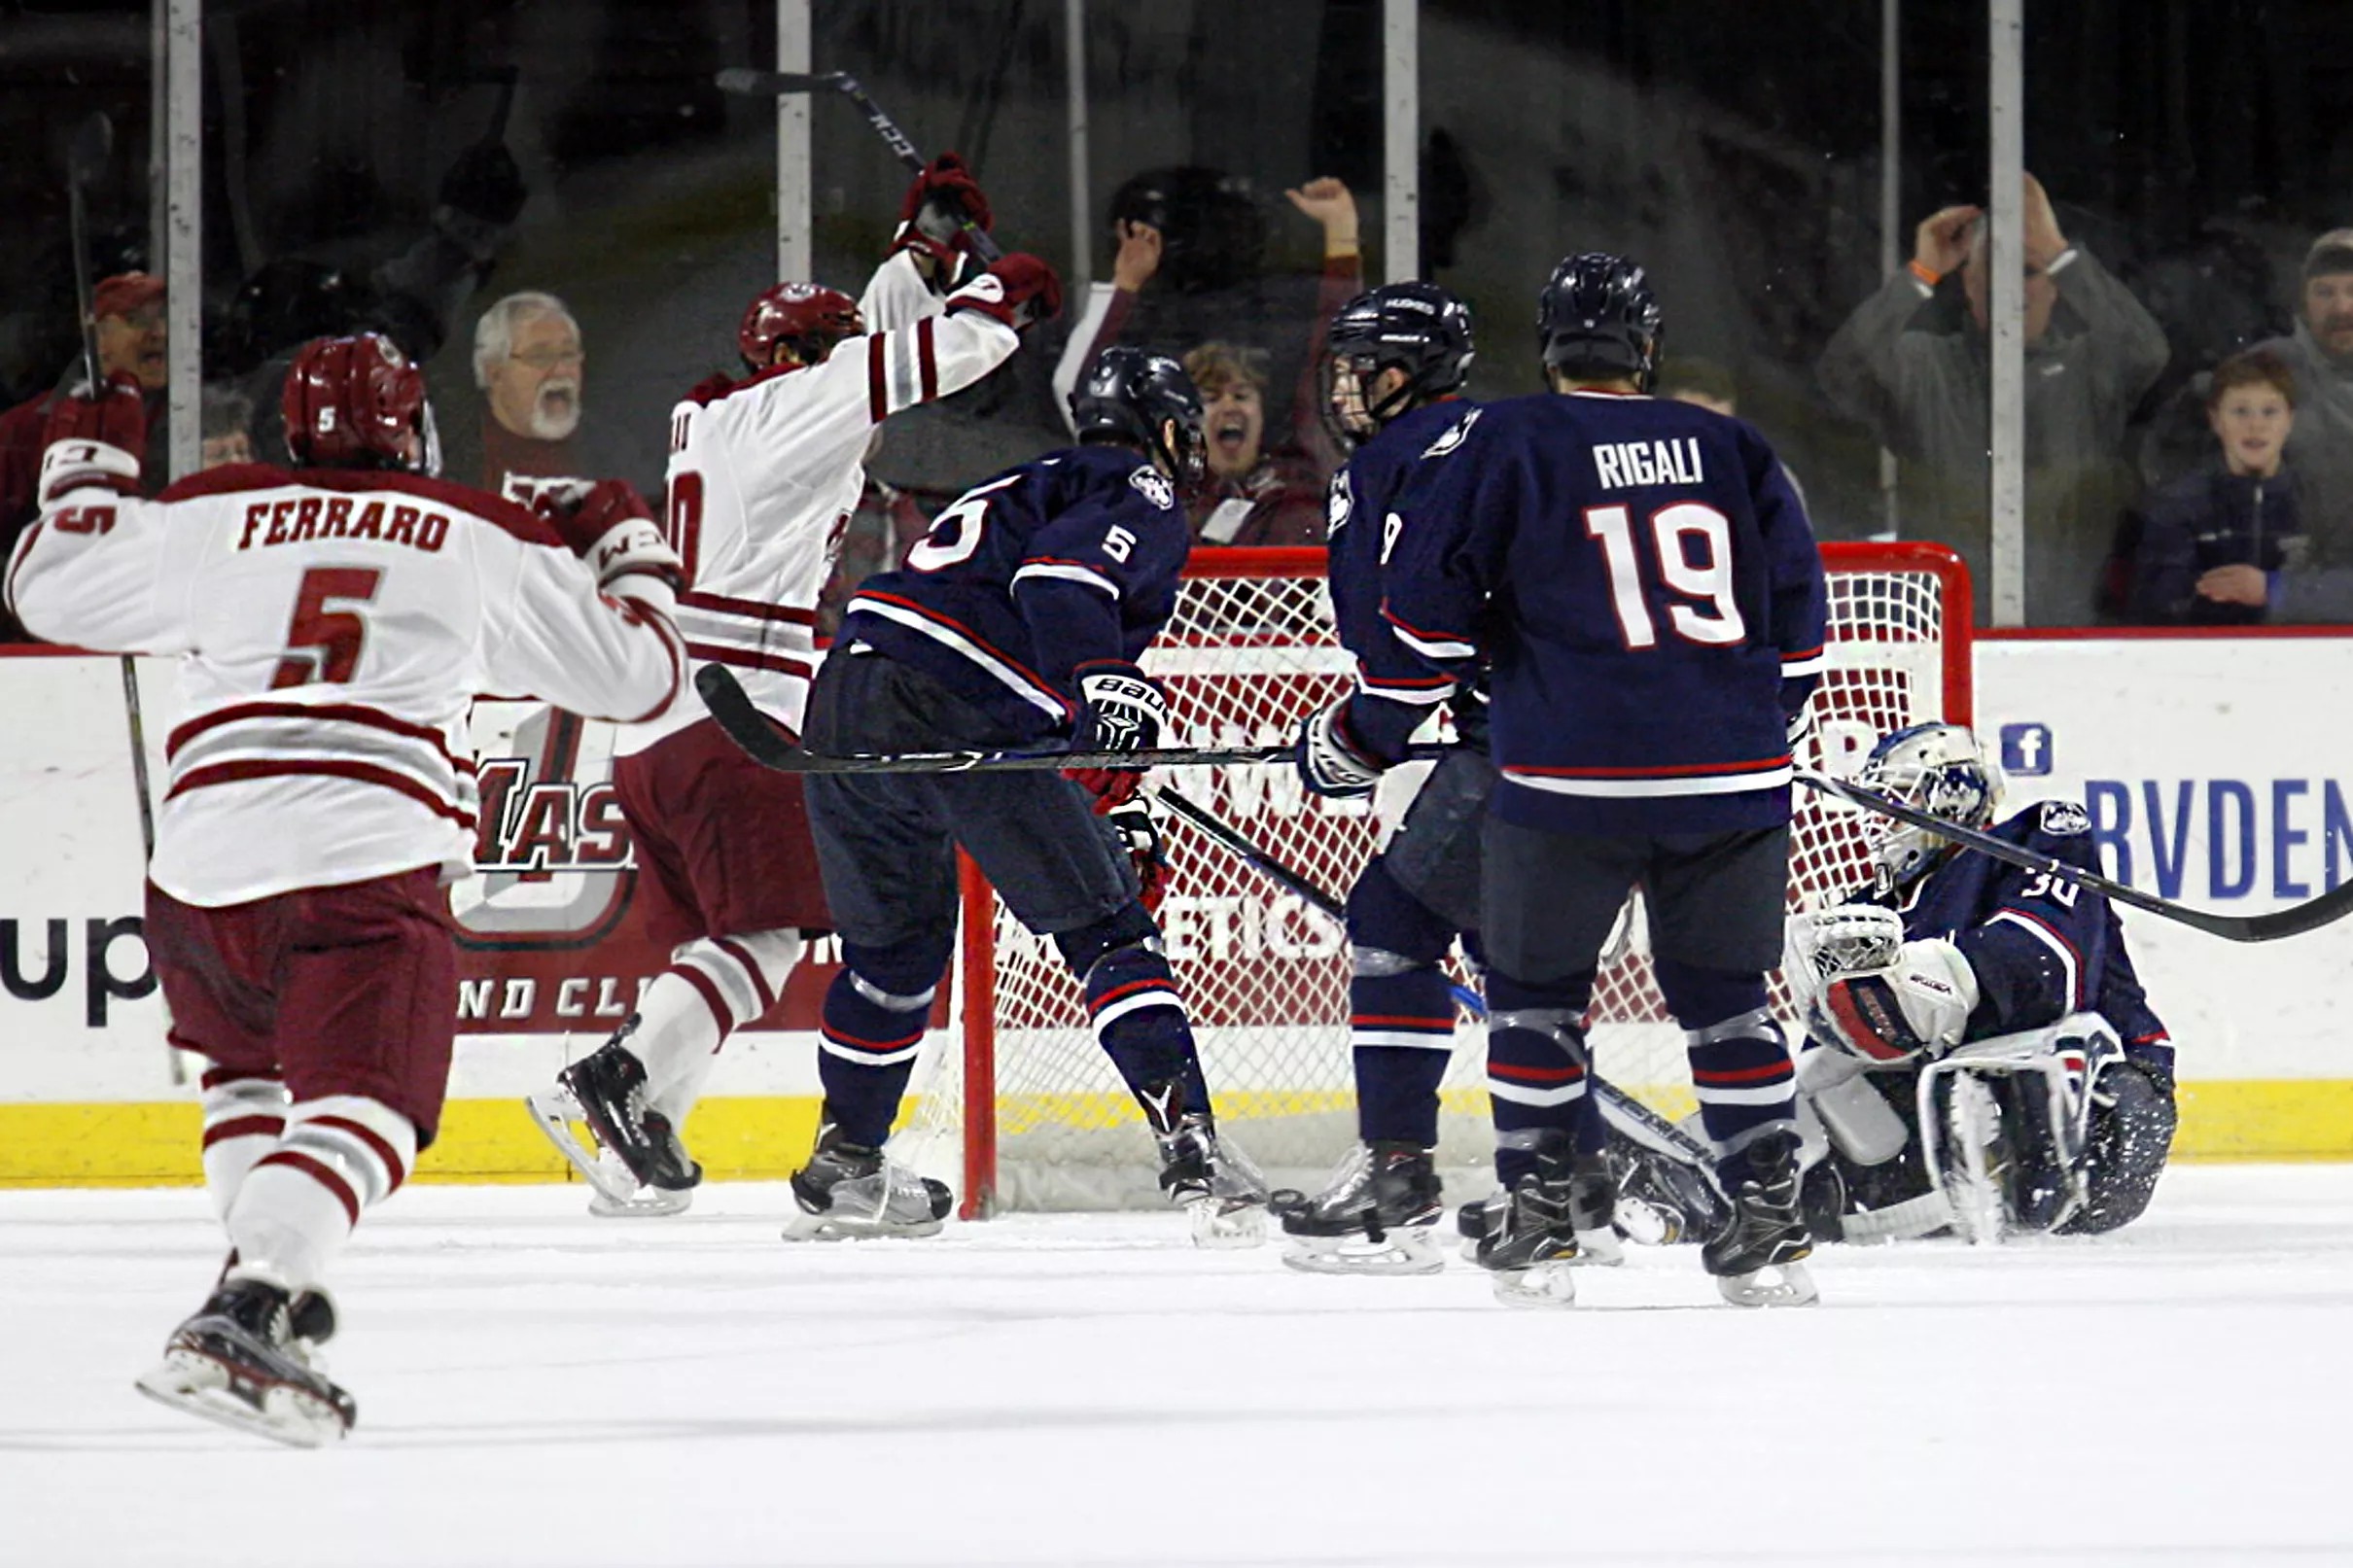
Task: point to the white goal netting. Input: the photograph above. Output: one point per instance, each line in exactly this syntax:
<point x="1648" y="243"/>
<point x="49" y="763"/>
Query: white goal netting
<point x="1250" y="650"/>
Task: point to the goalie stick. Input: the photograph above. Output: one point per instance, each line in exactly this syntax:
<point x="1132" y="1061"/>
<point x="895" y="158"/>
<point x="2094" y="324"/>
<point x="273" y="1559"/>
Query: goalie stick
<point x="769" y="747"/>
<point x="2294" y="920"/>
<point x="1622" y="1110"/>
<point x="777" y="84"/>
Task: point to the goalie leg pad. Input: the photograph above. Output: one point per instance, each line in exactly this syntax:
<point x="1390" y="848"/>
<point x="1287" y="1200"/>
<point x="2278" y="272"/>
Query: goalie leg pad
<point x="876" y="1012"/>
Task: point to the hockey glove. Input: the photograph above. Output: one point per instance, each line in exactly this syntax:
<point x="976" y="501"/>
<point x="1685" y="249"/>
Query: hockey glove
<point x="1874" y="995"/>
<point x="98" y="439"/>
<point x="1332" y="760"/>
<point x="1119" y="710"/>
<point x="1018" y="289"/>
<point x="936" y="208"/>
<point x="608" y="525"/>
<point x="1137" y="828"/>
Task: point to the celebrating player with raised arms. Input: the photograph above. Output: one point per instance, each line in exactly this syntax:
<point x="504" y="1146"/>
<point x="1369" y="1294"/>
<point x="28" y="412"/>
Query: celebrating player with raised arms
<point x="1640" y="583"/>
<point x="764" y="472"/>
<point x="1018" y="620"/>
<point x="2051" y="1081"/>
<point x="333" y="623"/>
<point x="1398" y="356"/>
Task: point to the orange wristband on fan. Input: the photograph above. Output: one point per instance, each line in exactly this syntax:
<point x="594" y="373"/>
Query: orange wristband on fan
<point x="1922" y="273"/>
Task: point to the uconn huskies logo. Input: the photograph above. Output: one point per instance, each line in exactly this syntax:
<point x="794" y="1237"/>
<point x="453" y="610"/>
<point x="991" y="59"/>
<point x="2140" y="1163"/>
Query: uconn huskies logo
<point x="1338" y="505"/>
<point x="1454" y="437"/>
<point x="1155" y="487"/>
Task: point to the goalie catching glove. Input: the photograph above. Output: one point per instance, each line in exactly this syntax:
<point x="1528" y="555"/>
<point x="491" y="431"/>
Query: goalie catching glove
<point x="1332" y="760"/>
<point x="607" y="524"/>
<point x="1874" y="995"/>
<point x="1119" y="710"/>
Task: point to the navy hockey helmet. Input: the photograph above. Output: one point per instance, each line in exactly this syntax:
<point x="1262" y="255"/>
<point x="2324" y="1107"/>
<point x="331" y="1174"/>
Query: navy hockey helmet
<point x="1130" y="396"/>
<point x="1598" y="316"/>
<point x="1416" y="328"/>
<point x="1935" y="767"/>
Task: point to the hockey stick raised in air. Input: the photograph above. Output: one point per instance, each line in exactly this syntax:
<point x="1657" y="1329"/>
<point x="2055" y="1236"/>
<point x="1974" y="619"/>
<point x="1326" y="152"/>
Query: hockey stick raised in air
<point x="1622" y="1110"/>
<point x="766" y="744"/>
<point x="777" y="84"/>
<point x="2295" y="921"/>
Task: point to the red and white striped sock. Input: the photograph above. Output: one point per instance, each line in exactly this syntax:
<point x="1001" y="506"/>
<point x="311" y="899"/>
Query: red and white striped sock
<point x="714" y="986"/>
<point x="339" y="1155"/>
<point x="244" y="1116"/>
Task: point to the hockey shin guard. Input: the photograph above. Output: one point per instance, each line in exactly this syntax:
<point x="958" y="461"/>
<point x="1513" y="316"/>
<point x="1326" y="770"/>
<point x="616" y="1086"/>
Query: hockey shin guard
<point x="1741" y="1066"/>
<point x="339" y="1155"/>
<point x="1537" y="1062"/>
<point x="876" y="1013"/>
<point x="244" y="1117"/>
<point x="714" y="986"/>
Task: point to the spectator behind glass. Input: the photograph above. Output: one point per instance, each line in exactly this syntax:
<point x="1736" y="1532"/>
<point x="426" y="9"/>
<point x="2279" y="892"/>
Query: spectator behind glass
<point x="127" y="314"/>
<point x="1252" y="496"/>
<point x="1185" y="274"/>
<point x="528" y="361"/>
<point x="2319" y="354"/>
<point x="2212" y="543"/>
<point x="227" y="426"/>
<point x="1926" y="395"/>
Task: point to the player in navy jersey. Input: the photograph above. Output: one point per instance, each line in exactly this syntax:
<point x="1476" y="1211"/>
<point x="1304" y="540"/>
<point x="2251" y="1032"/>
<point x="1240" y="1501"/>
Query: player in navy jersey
<point x="1957" y="962"/>
<point x="1019" y="620"/>
<point x="1398" y="356"/>
<point x="1641" y="584"/>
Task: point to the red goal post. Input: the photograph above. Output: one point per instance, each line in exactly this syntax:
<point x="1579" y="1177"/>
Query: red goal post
<point x="1018" y="1108"/>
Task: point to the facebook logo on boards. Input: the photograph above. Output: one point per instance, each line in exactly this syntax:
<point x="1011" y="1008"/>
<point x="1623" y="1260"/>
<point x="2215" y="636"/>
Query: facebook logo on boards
<point x="2026" y="749"/>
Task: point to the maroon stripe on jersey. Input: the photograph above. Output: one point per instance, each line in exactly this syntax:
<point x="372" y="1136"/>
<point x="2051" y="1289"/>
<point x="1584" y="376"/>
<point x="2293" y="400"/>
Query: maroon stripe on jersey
<point x="759" y="980"/>
<point x="746" y="659"/>
<point x="924" y="357"/>
<point x="696" y="600"/>
<point x="244" y="1127"/>
<point x="324" y="1176"/>
<point x="720" y="1013"/>
<point x="674" y="646"/>
<point x="1681" y="770"/>
<point x="878" y="400"/>
<point x="223" y="773"/>
<point x="215" y="1077"/>
<point x="386" y="1155"/>
<point x="340" y="712"/>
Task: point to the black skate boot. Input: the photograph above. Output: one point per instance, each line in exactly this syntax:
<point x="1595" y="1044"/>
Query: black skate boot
<point x="606" y="1089"/>
<point x="242" y="1361"/>
<point x="1375" y="1217"/>
<point x="1765" y="1231"/>
<point x="852" y="1191"/>
<point x="1531" y="1236"/>
<point x="1216" y="1185"/>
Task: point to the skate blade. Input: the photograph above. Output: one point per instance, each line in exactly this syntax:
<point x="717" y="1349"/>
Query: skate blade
<point x="555" y="1111"/>
<point x="1758" y="1288"/>
<point x="837" y="1228"/>
<point x="1221" y="1225"/>
<point x="201" y="1386"/>
<point x="641" y="1204"/>
<point x="1403" y="1251"/>
<point x="1543" y="1284"/>
<point x="1599" y="1249"/>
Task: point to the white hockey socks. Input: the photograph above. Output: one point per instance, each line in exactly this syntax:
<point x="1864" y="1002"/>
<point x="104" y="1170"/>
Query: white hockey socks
<point x="714" y="986"/>
<point x="243" y="1118"/>
<point x="337" y="1156"/>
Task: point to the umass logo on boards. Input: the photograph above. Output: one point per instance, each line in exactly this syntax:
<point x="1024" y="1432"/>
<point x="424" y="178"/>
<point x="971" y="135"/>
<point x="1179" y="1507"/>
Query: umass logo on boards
<point x="551" y="847"/>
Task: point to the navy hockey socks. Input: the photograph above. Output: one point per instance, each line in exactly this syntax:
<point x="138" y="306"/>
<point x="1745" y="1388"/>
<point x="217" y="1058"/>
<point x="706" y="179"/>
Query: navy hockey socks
<point x="1140" y="1022"/>
<point x="1537" y="1064"/>
<point x="1740" y="1065"/>
<point x="866" y="1050"/>
<point x="1401" y="1028"/>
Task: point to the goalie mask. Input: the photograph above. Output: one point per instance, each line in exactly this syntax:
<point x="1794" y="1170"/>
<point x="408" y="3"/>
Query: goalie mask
<point x="1933" y="768"/>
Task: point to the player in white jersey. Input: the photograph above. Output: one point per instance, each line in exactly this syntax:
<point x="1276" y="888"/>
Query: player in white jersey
<point x="764" y="472"/>
<point x="334" y="622"/>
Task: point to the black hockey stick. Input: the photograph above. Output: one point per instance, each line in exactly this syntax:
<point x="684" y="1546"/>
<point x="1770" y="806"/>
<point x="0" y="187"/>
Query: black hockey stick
<point x="2308" y="916"/>
<point x="777" y="84"/>
<point x="766" y="744"/>
<point x="1630" y="1115"/>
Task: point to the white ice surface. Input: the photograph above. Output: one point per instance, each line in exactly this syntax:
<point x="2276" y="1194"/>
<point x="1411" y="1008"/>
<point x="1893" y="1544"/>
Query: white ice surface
<point x="538" y="1387"/>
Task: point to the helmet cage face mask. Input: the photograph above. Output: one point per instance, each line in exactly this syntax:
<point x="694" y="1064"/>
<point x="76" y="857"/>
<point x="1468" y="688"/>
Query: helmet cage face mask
<point x="1932" y="768"/>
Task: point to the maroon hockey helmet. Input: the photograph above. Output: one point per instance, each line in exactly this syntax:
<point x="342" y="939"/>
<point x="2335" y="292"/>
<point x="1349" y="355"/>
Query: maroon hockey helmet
<point x="808" y="317"/>
<point x="355" y="402"/>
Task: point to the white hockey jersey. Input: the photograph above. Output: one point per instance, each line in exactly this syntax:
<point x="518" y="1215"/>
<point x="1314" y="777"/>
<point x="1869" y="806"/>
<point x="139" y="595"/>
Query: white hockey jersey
<point x="764" y="475"/>
<point x="336" y="626"/>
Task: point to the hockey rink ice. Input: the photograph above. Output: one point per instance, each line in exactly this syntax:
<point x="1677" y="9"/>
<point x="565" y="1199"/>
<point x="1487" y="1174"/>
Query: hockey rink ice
<point x="538" y="1387"/>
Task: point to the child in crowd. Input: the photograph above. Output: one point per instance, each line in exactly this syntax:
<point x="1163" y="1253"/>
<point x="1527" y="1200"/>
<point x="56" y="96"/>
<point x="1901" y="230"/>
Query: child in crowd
<point x="2214" y="541"/>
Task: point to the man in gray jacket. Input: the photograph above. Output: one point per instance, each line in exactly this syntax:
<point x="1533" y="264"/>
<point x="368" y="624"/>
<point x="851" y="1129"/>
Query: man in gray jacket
<point x="1926" y="395"/>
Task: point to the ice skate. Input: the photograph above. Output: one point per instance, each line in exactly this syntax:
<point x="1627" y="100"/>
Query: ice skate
<point x="852" y="1191"/>
<point x="641" y="1204"/>
<point x="1757" y="1257"/>
<point x="248" y="1360"/>
<point x="1602" y="1220"/>
<point x="606" y="1090"/>
<point x="1215" y="1184"/>
<point x="1534" y="1234"/>
<point x="1378" y="1216"/>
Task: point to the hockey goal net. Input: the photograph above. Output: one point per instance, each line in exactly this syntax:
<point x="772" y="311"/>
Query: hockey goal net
<point x="1025" y="1111"/>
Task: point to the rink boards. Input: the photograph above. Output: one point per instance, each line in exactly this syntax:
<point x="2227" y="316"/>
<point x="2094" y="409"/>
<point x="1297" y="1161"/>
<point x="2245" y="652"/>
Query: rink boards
<point x="2207" y="765"/>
